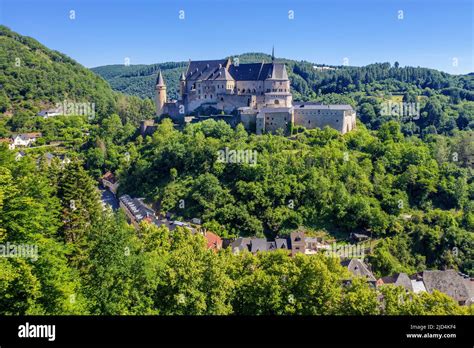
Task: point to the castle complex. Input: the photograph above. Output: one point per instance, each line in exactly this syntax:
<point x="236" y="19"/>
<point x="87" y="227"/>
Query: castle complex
<point x="257" y="93"/>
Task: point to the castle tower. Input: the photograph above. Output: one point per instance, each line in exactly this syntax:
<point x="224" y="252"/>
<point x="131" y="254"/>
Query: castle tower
<point x="160" y="89"/>
<point x="182" y="85"/>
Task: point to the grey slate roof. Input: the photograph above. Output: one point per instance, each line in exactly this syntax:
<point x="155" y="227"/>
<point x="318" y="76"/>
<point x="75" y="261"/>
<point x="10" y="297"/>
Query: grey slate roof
<point x="399" y="279"/>
<point x="448" y="282"/>
<point x="240" y="244"/>
<point x="358" y="268"/>
<point x="202" y="69"/>
<point x="258" y="244"/>
<point x="136" y="207"/>
<point x="251" y="72"/>
<point x="321" y="106"/>
<point x="210" y="69"/>
<point x="279" y="72"/>
<point x="281" y="243"/>
<point x="159" y="79"/>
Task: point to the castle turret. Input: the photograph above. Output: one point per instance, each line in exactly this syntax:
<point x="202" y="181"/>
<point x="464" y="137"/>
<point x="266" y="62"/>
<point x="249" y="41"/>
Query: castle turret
<point x="160" y="89"/>
<point x="182" y="85"/>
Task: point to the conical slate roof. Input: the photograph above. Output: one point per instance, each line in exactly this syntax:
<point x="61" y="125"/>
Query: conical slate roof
<point x="159" y="80"/>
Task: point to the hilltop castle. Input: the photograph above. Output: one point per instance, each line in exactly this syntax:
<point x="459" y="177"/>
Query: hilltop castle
<point x="258" y="93"/>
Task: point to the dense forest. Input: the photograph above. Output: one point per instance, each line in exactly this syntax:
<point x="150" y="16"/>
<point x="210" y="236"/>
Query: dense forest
<point x="91" y="261"/>
<point x="411" y="191"/>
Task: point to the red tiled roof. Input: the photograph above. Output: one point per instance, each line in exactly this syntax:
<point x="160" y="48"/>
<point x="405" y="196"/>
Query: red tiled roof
<point x="213" y="241"/>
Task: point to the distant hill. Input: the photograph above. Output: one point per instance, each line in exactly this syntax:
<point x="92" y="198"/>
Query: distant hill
<point x="307" y="82"/>
<point x="33" y="76"/>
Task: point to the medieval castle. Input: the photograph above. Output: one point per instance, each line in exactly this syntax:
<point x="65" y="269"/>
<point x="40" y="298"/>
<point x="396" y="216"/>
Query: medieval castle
<point x="257" y="95"/>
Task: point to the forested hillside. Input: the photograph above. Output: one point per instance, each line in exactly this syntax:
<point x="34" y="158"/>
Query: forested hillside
<point x="90" y="261"/>
<point x="33" y="77"/>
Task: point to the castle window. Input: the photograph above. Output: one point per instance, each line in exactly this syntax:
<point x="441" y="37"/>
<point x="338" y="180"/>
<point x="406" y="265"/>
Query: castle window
<point x="205" y="96"/>
<point x="222" y="99"/>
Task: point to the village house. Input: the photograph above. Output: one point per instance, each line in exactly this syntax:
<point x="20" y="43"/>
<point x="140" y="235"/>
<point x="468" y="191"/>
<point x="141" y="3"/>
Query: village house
<point x="62" y="159"/>
<point x="255" y="245"/>
<point x="25" y="139"/>
<point x="50" y="112"/>
<point x="359" y="269"/>
<point x="19" y="155"/>
<point x="137" y="211"/>
<point x="213" y="241"/>
<point x="449" y="282"/>
<point x="306" y="245"/>
<point x="401" y="279"/>
<point x="110" y="182"/>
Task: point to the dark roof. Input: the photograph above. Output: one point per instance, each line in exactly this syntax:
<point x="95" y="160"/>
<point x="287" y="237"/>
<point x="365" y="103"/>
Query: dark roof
<point x="251" y="71"/>
<point x="202" y="69"/>
<point x="223" y="70"/>
<point x="159" y="79"/>
<point x="448" y="282"/>
<point x="399" y="279"/>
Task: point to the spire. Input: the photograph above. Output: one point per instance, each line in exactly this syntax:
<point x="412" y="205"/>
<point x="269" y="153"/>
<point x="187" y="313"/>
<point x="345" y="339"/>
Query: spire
<point x="159" y="80"/>
<point x="273" y="53"/>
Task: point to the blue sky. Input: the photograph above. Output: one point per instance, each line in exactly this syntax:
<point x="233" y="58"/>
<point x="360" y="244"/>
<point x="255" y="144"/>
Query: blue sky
<point x="432" y="33"/>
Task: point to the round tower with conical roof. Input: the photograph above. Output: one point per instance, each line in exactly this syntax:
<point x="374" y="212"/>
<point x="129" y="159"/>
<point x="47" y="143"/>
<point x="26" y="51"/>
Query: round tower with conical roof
<point x="160" y="90"/>
<point x="182" y="85"/>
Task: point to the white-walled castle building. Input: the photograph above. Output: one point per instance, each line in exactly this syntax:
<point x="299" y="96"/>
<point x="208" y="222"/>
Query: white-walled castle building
<point x="259" y="92"/>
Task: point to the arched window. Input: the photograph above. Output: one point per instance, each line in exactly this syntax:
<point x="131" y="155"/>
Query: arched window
<point x="277" y="101"/>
